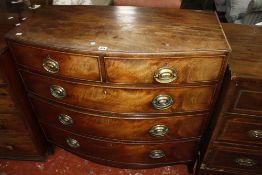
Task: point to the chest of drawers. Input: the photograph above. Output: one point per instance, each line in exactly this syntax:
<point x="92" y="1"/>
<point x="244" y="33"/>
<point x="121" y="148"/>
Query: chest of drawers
<point x="125" y="86"/>
<point x="236" y="143"/>
<point x="20" y="138"/>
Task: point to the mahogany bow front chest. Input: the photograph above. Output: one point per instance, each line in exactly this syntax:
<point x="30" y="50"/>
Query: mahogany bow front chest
<point x="125" y="86"/>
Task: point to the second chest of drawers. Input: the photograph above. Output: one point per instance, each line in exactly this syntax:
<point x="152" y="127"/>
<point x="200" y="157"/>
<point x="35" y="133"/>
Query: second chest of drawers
<point x="125" y="101"/>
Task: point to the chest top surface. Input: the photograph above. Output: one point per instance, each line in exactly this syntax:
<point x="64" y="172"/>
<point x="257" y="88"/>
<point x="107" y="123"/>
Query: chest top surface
<point x="123" y="30"/>
<point x="245" y="60"/>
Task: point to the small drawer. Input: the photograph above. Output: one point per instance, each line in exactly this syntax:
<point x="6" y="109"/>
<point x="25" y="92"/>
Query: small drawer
<point x="6" y="103"/>
<point x="235" y="159"/>
<point x="63" y="64"/>
<point x="120" y="99"/>
<point x="130" y="153"/>
<point x="120" y="128"/>
<point x="11" y="123"/>
<point x="241" y="128"/>
<point x="163" y="70"/>
<point x="16" y="144"/>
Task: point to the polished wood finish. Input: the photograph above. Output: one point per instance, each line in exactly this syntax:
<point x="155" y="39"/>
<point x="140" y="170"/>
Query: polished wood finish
<point x="116" y="152"/>
<point x="128" y="128"/>
<point x="238" y="129"/>
<point x="123" y="30"/>
<point x="236" y="142"/>
<point x="121" y="100"/>
<point x="189" y="70"/>
<point x="111" y="101"/>
<point x="68" y="63"/>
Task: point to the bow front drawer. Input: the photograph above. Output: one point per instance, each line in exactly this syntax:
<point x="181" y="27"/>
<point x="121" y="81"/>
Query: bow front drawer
<point x="119" y="152"/>
<point x="119" y="99"/>
<point x="163" y="70"/>
<point x="57" y="63"/>
<point x="120" y="127"/>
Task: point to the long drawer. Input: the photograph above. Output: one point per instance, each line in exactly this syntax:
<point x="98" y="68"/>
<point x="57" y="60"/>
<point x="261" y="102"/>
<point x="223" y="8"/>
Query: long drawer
<point x="163" y="70"/>
<point x="58" y="63"/>
<point x="120" y="128"/>
<point x="11" y="123"/>
<point x="235" y="159"/>
<point x="241" y="129"/>
<point x="153" y="153"/>
<point x="6" y="103"/>
<point x="122" y="100"/>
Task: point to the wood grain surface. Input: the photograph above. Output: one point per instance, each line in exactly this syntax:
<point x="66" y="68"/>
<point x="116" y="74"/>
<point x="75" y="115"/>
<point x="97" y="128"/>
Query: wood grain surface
<point x="139" y="70"/>
<point x="121" y="100"/>
<point x="70" y="65"/>
<point x="119" y="127"/>
<point x="123" y="30"/>
<point x="246" y="58"/>
<point x="117" y="152"/>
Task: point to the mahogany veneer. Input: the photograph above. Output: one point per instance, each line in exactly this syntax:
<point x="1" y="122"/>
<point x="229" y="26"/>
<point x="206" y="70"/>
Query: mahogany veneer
<point x="235" y="147"/>
<point x="124" y="86"/>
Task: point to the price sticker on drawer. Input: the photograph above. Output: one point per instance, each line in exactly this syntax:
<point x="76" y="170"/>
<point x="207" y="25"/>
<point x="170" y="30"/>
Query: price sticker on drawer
<point x="102" y="48"/>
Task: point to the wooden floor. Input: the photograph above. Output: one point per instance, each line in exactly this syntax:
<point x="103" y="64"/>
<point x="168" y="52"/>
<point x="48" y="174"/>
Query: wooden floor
<point x="65" y="163"/>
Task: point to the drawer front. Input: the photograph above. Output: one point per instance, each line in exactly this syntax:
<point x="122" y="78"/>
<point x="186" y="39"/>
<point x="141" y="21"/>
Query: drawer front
<point x="58" y="63"/>
<point x="182" y="70"/>
<point x="122" y="152"/>
<point x="6" y="103"/>
<point x="121" y="100"/>
<point x="249" y="101"/>
<point x="11" y="123"/>
<point x="242" y="128"/>
<point x="16" y="144"/>
<point x="235" y="159"/>
<point x="120" y="128"/>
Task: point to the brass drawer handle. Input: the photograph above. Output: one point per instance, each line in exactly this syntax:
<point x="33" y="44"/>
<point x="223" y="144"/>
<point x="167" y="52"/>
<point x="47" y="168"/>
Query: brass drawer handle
<point x="72" y="143"/>
<point x="51" y="65"/>
<point x="255" y="134"/>
<point x="57" y="91"/>
<point x="157" y="154"/>
<point x="245" y="162"/>
<point x="158" y="131"/>
<point x="165" y="75"/>
<point x="65" y="119"/>
<point x="162" y="102"/>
